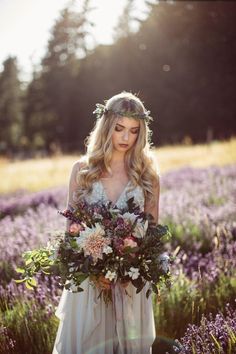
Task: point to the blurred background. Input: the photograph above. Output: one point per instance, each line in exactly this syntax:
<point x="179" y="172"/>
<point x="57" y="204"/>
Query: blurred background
<point x="61" y="57"/>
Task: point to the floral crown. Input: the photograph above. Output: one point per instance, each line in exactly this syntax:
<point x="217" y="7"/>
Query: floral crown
<point x="102" y="109"/>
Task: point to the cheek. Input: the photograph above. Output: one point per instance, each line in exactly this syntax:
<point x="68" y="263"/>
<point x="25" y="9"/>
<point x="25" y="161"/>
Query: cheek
<point x="114" y="137"/>
<point x="134" y="138"/>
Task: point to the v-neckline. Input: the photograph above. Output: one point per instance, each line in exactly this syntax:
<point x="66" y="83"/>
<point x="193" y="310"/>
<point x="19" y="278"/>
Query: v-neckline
<point x="106" y="196"/>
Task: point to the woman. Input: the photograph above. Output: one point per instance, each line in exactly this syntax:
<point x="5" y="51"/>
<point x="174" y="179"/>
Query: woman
<point x="117" y="166"/>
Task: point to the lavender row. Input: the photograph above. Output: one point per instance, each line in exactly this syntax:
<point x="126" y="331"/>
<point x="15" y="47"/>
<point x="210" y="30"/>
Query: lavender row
<point x="208" y="267"/>
<point x="25" y="232"/>
<point x="46" y="294"/>
<point x="186" y="194"/>
<point x="199" y="205"/>
<point x="214" y="335"/>
<point x="33" y="227"/>
<point x="27" y="317"/>
<point x="192" y="195"/>
<point x="18" y="203"/>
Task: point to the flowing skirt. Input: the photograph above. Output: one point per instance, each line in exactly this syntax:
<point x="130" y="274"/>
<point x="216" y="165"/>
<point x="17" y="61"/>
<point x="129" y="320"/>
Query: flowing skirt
<point x="89" y="326"/>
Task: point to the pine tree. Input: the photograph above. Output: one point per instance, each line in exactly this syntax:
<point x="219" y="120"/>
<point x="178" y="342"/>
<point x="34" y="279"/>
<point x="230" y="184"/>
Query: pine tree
<point x="52" y="90"/>
<point x="10" y="106"/>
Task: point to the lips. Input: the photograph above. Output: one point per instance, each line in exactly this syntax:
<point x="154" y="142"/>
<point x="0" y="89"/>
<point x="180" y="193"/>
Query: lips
<point x="124" y="145"/>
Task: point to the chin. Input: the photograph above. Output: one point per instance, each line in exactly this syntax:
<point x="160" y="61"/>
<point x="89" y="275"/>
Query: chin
<point x="120" y="150"/>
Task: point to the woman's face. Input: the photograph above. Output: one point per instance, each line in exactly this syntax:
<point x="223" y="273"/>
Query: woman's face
<point x="125" y="134"/>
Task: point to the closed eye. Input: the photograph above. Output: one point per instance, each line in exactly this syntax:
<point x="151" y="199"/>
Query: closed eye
<point x="120" y="127"/>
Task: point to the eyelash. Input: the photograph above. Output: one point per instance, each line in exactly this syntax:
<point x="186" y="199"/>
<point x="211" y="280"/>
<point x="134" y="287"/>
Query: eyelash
<point x="120" y="129"/>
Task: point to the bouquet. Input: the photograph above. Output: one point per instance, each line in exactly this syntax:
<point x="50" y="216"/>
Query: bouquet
<point x="122" y="245"/>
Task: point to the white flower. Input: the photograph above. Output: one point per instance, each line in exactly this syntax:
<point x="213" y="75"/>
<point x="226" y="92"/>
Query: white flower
<point x="140" y="229"/>
<point x="115" y="211"/>
<point x="49" y="246"/>
<point x="72" y="269"/>
<point x="129" y="217"/>
<point x="53" y="251"/>
<point x="53" y="256"/>
<point x="133" y="273"/>
<point x="145" y="266"/>
<point x="97" y="216"/>
<point x="73" y="286"/>
<point x="107" y="249"/>
<point x="164" y="262"/>
<point x="110" y="275"/>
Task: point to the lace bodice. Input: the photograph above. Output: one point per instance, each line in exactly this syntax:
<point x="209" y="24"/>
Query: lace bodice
<point x="98" y="194"/>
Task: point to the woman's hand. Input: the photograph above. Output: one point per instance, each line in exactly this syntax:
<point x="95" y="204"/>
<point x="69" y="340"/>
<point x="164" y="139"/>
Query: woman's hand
<point x="124" y="284"/>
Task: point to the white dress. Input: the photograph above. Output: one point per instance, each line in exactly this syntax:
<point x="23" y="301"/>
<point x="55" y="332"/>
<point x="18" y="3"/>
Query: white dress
<point x="88" y="326"/>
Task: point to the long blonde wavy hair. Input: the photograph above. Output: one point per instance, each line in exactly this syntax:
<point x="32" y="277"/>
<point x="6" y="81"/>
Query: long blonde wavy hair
<point x="139" y="162"/>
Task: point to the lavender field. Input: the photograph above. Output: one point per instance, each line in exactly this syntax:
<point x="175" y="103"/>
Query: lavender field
<point x="197" y="315"/>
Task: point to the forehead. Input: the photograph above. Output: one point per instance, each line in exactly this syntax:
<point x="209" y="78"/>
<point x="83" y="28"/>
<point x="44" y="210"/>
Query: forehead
<point x="129" y="122"/>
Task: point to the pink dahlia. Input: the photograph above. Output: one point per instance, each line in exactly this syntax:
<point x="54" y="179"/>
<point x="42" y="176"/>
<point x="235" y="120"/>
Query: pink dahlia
<point x="93" y="242"/>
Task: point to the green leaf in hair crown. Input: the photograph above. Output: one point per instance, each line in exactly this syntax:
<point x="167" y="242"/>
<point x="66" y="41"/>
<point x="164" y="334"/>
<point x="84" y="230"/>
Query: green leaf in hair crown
<point x="101" y="109"/>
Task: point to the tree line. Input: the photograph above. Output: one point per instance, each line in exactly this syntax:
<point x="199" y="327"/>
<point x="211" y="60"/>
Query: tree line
<point x="180" y="62"/>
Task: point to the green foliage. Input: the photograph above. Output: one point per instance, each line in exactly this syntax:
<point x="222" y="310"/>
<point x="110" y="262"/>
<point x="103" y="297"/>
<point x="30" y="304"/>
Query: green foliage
<point x="11" y="115"/>
<point x="7" y="272"/>
<point x="38" y="260"/>
<point x="27" y="331"/>
<point x="187" y="302"/>
<point x="49" y="105"/>
<point x="176" y="303"/>
<point x="184" y="235"/>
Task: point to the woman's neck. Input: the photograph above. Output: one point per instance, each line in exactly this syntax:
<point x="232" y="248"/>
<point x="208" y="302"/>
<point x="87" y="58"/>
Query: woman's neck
<point x="117" y="163"/>
<point x="117" y="160"/>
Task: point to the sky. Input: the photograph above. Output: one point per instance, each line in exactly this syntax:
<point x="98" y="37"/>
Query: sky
<point x="25" y="27"/>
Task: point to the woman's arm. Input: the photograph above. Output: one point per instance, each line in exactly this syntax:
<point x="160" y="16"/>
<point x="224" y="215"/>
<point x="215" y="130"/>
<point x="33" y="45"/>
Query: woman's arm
<point x="73" y="187"/>
<point x="153" y="207"/>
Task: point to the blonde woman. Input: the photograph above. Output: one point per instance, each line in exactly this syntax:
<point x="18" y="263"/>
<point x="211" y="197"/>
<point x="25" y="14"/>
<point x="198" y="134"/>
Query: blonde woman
<point x="116" y="167"/>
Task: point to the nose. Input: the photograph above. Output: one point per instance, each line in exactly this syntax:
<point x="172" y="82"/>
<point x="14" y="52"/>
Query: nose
<point x="126" y="136"/>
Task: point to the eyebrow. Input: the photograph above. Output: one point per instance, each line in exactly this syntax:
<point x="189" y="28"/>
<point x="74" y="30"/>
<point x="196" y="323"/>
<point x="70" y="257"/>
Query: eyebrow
<point x="124" y="126"/>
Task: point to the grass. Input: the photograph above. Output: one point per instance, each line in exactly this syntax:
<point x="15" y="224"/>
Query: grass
<point x="41" y="173"/>
<point x="27" y="331"/>
<point x="188" y="300"/>
<point x="217" y="153"/>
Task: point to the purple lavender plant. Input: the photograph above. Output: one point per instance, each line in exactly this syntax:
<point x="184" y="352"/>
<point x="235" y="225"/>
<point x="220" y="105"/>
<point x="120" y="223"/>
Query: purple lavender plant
<point x="194" y="202"/>
<point x="18" y="203"/>
<point x="220" y="260"/>
<point x="25" y="232"/>
<point x="199" y="206"/>
<point x="213" y="336"/>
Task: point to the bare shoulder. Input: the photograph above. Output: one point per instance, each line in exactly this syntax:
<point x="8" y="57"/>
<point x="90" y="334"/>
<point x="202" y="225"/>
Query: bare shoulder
<point x="78" y="165"/>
